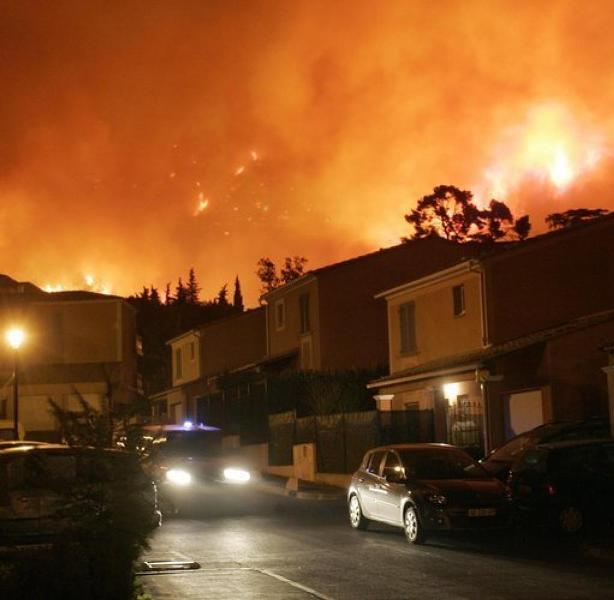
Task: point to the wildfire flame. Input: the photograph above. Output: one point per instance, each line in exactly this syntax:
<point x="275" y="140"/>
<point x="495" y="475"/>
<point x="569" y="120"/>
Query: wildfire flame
<point x="550" y="145"/>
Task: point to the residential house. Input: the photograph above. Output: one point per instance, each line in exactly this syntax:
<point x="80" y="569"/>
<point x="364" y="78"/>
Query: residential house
<point x="328" y="319"/>
<point x="216" y="376"/>
<point x="499" y="344"/>
<point x="78" y="344"/>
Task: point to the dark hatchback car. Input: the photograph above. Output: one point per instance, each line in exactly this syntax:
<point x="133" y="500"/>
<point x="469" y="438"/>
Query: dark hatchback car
<point x="49" y="490"/>
<point x="568" y="485"/>
<point x="425" y="488"/>
<point x="499" y="461"/>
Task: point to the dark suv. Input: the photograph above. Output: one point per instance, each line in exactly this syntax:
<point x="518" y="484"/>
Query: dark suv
<point x="499" y="461"/>
<point x="568" y="485"/>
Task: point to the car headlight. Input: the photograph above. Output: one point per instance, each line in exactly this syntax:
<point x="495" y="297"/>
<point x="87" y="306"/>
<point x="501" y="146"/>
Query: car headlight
<point x="234" y="475"/>
<point x="437" y="499"/>
<point x="178" y="477"/>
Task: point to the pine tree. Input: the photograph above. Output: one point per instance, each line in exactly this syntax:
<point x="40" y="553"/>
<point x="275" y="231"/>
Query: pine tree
<point x="237" y="299"/>
<point x="154" y="296"/>
<point x="168" y="297"/>
<point x="180" y="292"/>
<point x="222" y="296"/>
<point x="145" y="294"/>
<point x="192" y="289"/>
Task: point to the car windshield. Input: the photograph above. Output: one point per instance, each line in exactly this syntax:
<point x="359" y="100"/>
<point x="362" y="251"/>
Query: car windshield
<point x="509" y="451"/>
<point x="441" y="464"/>
<point x="190" y="443"/>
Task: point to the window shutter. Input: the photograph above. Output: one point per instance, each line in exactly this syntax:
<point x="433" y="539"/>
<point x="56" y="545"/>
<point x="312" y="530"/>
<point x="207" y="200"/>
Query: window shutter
<point x="407" y="324"/>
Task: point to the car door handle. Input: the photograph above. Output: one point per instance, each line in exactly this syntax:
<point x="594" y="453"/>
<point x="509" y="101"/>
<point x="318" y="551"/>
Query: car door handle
<point x="361" y="480"/>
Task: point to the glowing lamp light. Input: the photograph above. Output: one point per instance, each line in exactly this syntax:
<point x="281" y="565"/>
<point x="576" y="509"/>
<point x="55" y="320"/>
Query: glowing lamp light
<point x="15" y="337"/>
<point x="450" y="392"/>
<point x="188" y="424"/>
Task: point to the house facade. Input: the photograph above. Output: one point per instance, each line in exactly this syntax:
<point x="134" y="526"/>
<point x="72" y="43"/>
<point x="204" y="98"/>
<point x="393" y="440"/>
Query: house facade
<point x="330" y="319"/>
<point x="217" y="373"/>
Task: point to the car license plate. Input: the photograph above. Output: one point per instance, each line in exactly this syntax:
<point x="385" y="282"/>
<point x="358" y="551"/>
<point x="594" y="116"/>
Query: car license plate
<point x="482" y="512"/>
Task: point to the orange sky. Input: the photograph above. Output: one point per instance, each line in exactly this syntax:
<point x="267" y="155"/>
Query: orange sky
<point x="139" y="139"/>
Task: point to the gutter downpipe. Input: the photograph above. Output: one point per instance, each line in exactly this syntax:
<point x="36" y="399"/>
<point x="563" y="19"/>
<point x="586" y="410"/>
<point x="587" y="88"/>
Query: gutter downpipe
<point x="485" y="344"/>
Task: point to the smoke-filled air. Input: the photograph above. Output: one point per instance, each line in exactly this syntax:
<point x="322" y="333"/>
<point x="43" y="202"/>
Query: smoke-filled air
<point x="139" y="139"/>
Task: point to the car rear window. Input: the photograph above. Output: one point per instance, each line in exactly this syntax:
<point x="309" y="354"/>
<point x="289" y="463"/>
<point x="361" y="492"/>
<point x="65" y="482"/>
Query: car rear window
<point x="441" y="464"/>
<point x="39" y="470"/>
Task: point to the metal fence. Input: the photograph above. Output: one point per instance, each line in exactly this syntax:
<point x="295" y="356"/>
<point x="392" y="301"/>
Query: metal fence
<point x="342" y="439"/>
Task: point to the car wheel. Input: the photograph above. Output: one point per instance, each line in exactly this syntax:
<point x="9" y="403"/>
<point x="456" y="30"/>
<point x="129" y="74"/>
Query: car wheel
<point x="570" y="520"/>
<point x="412" y="527"/>
<point x="357" y="519"/>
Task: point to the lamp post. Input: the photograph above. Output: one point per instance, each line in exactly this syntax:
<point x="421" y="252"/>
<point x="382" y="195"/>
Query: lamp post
<point x="15" y="338"/>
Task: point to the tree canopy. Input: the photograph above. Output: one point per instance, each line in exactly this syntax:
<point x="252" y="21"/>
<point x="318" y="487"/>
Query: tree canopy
<point x="451" y="213"/>
<point x="574" y="216"/>
<point x="293" y="268"/>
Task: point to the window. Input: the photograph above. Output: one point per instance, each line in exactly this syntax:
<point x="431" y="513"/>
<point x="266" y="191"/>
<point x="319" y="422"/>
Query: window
<point x="280" y="314"/>
<point x="304" y="312"/>
<point x="458" y="300"/>
<point x="407" y="324"/>
<point x="375" y="462"/>
<point x="178" y="365"/>
<point x="139" y="345"/>
<point x="393" y="465"/>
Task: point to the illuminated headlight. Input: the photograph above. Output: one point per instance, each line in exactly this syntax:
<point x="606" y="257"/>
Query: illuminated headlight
<point x="437" y="499"/>
<point x="236" y="475"/>
<point x="178" y="477"/>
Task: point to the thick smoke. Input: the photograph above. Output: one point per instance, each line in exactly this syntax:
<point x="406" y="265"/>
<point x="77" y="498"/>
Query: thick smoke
<point x="119" y="116"/>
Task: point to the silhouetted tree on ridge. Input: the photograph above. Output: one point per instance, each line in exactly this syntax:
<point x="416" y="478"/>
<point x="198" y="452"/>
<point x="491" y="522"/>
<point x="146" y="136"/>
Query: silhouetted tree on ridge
<point x="574" y="216"/>
<point x="451" y="213"/>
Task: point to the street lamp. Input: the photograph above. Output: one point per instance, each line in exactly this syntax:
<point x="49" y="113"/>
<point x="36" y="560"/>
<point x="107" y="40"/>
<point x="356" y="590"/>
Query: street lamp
<point x="15" y="338"/>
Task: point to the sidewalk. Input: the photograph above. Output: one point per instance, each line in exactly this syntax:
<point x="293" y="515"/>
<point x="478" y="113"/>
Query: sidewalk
<point x="298" y="488"/>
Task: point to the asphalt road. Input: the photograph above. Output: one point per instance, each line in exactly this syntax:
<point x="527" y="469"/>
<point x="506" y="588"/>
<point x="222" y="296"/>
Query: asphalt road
<point x="252" y="545"/>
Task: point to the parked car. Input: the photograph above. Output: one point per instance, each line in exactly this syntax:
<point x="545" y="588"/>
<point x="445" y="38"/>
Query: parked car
<point x="186" y="459"/>
<point x="499" y="461"/>
<point x="568" y="485"/>
<point x="49" y="490"/>
<point x="425" y="488"/>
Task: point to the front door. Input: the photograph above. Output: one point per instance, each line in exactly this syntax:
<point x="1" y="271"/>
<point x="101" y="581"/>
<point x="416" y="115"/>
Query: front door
<point x="369" y="489"/>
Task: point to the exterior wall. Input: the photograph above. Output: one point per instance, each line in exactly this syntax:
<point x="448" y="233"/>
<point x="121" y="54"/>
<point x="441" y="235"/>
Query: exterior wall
<point x="188" y="345"/>
<point x="551" y="280"/>
<point x="289" y="338"/>
<point x="353" y="323"/>
<point x="233" y="342"/>
<point x="73" y="347"/>
<point x="76" y="332"/>
<point x="568" y="371"/>
<point x="439" y="333"/>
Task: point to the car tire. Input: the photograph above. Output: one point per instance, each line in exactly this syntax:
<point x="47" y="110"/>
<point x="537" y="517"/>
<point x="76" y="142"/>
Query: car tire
<point x="570" y="520"/>
<point x="357" y="519"/>
<point x="414" y="533"/>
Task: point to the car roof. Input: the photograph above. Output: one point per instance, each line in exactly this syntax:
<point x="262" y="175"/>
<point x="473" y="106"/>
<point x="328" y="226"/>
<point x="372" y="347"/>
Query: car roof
<point x="175" y="427"/>
<point x="424" y="446"/>
<point x="15" y="443"/>
<point x="575" y="443"/>
<point x="59" y="449"/>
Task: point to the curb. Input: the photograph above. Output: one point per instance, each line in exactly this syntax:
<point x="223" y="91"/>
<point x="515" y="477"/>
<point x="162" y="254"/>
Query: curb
<point x="291" y="490"/>
<point x="599" y="552"/>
